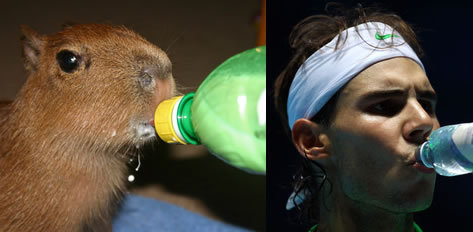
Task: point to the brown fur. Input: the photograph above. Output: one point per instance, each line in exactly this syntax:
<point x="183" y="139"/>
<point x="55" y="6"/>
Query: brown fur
<point x="67" y="137"/>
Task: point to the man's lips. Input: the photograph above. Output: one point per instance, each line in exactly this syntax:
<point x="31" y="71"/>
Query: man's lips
<point x="423" y="168"/>
<point x="419" y="166"/>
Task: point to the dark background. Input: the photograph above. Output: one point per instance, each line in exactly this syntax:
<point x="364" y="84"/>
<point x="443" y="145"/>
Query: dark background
<point x="445" y="31"/>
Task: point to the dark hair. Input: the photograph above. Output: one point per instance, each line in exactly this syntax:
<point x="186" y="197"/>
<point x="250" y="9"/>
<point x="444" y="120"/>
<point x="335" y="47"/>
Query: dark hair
<point x="308" y="36"/>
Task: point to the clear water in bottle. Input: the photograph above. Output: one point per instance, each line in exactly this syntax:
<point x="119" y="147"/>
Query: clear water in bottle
<point x="449" y="150"/>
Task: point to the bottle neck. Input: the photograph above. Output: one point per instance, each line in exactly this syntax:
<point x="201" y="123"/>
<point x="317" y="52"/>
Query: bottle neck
<point x="184" y="119"/>
<point x="423" y="155"/>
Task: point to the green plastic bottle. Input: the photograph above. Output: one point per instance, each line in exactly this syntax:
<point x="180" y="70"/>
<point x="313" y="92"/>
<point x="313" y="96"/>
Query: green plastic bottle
<point x="227" y="113"/>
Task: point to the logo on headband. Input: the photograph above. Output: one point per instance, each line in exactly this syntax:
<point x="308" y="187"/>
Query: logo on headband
<point x="383" y="37"/>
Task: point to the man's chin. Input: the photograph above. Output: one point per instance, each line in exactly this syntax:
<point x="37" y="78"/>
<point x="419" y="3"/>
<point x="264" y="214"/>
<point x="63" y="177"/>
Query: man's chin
<point x="412" y="205"/>
<point x="420" y="195"/>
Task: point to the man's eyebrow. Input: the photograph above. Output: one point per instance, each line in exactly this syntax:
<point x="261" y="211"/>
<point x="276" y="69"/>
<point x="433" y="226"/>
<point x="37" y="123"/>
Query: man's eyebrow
<point x="424" y="94"/>
<point x="375" y="94"/>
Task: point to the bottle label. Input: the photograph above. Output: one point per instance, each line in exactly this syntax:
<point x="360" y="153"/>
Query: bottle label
<point x="463" y="139"/>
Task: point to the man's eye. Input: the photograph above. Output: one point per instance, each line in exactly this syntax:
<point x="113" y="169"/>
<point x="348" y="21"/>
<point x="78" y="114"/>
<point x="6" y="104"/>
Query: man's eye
<point x="428" y="106"/>
<point x="386" y="108"/>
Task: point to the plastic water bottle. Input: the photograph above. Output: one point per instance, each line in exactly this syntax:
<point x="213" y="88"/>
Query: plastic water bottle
<point x="227" y="113"/>
<point x="449" y="150"/>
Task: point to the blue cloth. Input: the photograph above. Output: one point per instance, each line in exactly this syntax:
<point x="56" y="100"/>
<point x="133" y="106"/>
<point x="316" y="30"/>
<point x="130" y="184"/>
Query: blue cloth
<point x="141" y="214"/>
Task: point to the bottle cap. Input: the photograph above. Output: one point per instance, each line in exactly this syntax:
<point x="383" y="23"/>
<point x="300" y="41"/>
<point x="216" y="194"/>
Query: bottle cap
<point x="163" y="121"/>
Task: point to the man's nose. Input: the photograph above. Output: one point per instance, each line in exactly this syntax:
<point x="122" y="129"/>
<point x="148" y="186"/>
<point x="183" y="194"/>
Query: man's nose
<point x="418" y="124"/>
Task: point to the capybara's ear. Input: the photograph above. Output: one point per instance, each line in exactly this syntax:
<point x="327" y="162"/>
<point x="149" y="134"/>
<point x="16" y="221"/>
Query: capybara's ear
<point x="33" y="46"/>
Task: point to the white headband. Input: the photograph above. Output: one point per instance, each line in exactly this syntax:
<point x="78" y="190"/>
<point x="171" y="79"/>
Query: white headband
<point x="327" y="70"/>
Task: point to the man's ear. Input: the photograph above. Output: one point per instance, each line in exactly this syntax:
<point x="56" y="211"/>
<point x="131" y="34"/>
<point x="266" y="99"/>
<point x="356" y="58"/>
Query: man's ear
<point x="32" y="47"/>
<point x="310" y="140"/>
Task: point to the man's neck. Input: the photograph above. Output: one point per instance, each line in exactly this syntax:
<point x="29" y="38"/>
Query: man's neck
<point x="340" y="213"/>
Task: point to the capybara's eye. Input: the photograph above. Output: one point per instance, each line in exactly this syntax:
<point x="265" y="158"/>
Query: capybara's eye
<point x="68" y="61"/>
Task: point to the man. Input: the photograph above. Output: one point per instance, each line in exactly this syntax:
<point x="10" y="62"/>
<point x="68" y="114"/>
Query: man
<point x="358" y="103"/>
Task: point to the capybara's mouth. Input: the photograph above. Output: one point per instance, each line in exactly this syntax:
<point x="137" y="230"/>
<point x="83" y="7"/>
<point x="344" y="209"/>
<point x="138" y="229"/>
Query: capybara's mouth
<point x="144" y="132"/>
